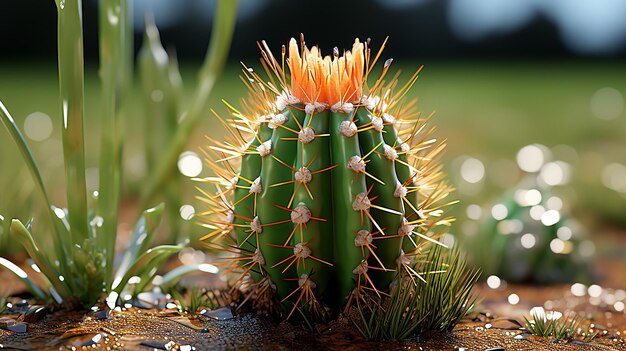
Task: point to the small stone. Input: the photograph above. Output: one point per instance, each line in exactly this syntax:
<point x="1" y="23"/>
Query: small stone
<point x="186" y="322"/>
<point x="102" y="314"/>
<point x="151" y="299"/>
<point x="219" y="314"/>
<point x="13" y="325"/>
<point x="34" y="314"/>
<point x="157" y="344"/>
<point x="85" y="340"/>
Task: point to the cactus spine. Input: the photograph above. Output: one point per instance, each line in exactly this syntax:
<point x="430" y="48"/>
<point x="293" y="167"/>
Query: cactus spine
<point x="318" y="188"/>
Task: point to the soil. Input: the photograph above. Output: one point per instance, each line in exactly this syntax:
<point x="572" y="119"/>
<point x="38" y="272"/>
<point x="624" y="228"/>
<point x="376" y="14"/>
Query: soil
<point x="494" y="324"/>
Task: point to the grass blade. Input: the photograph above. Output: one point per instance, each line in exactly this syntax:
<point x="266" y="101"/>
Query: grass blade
<point x="115" y="23"/>
<point x="159" y="75"/>
<point x="149" y="260"/>
<point x="23" y="236"/>
<point x="20" y="142"/>
<point x="221" y="38"/>
<point x="171" y="278"/>
<point x="144" y="229"/>
<point x="71" y="87"/>
<point x="21" y="275"/>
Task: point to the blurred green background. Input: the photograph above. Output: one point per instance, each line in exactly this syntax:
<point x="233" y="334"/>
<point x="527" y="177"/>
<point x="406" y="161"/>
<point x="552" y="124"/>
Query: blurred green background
<point x="498" y="76"/>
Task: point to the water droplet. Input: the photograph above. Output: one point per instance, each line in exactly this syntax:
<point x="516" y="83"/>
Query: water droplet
<point x="595" y="290"/>
<point x="472" y="170"/>
<point x="62" y="4"/>
<point x="607" y="103"/>
<point x="614" y="177"/>
<point x="513" y="299"/>
<point x="499" y="212"/>
<point x="97" y="221"/>
<point x="156" y="95"/>
<point x="528" y="240"/>
<point x="59" y="212"/>
<point x="474" y="212"/>
<point x="388" y="63"/>
<point x="189" y="164"/>
<point x="187" y="212"/>
<point x="113" y="17"/>
<point x="530" y="158"/>
<point x="38" y="126"/>
<point x="555" y="173"/>
<point x="550" y="217"/>
<point x="493" y="282"/>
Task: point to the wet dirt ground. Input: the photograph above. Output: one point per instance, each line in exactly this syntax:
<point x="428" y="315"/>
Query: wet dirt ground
<point x="493" y="325"/>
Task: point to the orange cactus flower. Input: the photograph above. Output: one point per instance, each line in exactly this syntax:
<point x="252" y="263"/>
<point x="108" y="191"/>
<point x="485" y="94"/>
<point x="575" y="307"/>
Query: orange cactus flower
<point x="331" y="81"/>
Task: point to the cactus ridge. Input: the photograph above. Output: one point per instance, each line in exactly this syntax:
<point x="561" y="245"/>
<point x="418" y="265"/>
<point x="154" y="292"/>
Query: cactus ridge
<point x="326" y="188"/>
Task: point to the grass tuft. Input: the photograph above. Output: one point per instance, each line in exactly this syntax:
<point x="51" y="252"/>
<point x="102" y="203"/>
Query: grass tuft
<point x="559" y="329"/>
<point x="415" y="306"/>
<point x="3" y="303"/>
<point x="79" y="267"/>
<point x="195" y="297"/>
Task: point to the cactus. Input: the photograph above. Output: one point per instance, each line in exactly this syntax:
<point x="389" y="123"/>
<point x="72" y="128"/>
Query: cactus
<point x="328" y="187"/>
<point x="529" y="235"/>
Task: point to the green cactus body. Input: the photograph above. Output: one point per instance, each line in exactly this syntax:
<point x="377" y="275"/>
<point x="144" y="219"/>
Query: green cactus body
<point x="324" y="194"/>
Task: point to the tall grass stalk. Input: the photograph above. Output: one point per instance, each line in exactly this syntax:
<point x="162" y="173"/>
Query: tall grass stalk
<point x="221" y="37"/>
<point x="81" y="268"/>
<point x="161" y="85"/>
<point x="116" y="42"/>
<point x="71" y="88"/>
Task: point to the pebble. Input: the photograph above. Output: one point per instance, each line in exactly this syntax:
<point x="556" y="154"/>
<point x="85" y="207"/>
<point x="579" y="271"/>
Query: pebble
<point x="13" y="325"/>
<point x="220" y="314"/>
<point x="34" y="314"/>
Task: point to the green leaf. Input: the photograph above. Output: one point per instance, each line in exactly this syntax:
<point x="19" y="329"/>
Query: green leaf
<point x="20" y="142"/>
<point x="159" y="74"/>
<point x="23" y="236"/>
<point x="115" y="22"/>
<point x="221" y="38"/>
<point x="145" y="263"/>
<point x="71" y="87"/>
<point x="172" y="277"/>
<point x="23" y="276"/>
<point x="142" y="234"/>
